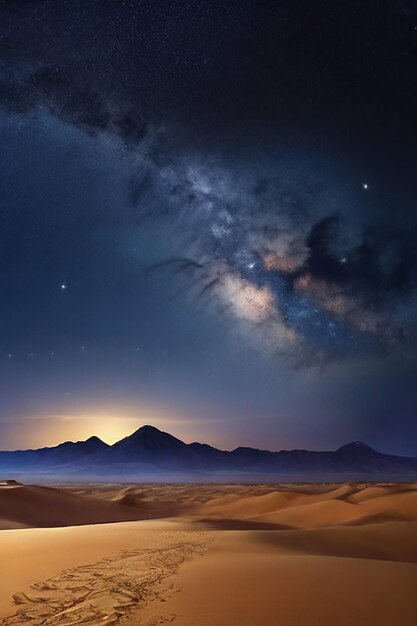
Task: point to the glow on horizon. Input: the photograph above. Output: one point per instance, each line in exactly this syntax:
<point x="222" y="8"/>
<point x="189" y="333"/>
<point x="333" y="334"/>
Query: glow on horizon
<point x="50" y="430"/>
<point x="109" y="428"/>
<point x="42" y="430"/>
<point x="115" y="421"/>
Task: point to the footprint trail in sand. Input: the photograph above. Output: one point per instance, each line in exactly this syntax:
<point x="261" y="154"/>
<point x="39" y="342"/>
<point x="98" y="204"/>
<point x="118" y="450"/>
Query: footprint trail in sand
<point x="106" y="591"/>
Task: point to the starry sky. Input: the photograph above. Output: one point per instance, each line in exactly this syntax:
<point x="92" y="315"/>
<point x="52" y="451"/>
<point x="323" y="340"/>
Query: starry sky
<point x="208" y="218"/>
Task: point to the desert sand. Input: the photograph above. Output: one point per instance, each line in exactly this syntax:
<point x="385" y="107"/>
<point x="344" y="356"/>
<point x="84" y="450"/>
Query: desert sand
<point x="209" y="555"/>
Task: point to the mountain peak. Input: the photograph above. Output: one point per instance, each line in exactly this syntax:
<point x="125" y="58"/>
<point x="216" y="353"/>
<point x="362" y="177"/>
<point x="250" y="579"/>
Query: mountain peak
<point x="146" y="432"/>
<point x="149" y="436"/>
<point x="148" y="428"/>
<point x="357" y="447"/>
<point x="96" y="441"/>
<point x="151" y="445"/>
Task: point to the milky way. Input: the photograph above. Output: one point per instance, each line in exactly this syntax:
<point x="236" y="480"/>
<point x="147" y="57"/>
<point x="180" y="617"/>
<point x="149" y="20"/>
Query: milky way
<point x="211" y="207"/>
<point x="291" y="282"/>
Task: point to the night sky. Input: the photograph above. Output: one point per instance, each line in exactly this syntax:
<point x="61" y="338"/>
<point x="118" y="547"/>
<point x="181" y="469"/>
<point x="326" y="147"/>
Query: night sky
<point x="208" y="221"/>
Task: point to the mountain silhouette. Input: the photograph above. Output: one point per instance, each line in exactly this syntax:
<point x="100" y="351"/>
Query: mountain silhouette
<point x="358" y="449"/>
<point x="66" y="452"/>
<point x="150" y="445"/>
<point x="151" y="452"/>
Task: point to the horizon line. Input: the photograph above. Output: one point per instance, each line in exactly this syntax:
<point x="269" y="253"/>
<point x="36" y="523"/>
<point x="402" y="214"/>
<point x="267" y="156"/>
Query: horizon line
<point x="144" y="426"/>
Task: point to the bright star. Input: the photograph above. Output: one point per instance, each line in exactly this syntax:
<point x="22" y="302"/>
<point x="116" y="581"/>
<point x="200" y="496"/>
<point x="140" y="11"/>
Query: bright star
<point x="63" y="287"/>
<point x="365" y="186"/>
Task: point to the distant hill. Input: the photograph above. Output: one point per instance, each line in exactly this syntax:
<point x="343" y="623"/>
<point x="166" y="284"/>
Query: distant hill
<point x="150" y="453"/>
<point x="67" y="452"/>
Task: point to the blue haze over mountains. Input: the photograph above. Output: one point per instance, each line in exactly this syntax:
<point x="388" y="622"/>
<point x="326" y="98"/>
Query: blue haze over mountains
<point x="151" y="455"/>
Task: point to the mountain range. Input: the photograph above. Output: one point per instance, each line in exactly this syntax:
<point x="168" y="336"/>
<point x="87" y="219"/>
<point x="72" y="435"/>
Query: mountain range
<point x="151" y="454"/>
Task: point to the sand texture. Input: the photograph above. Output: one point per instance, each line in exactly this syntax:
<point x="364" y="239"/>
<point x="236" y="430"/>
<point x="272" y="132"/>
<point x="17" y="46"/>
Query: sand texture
<point x="104" y="591"/>
<point x="209" y="555"/>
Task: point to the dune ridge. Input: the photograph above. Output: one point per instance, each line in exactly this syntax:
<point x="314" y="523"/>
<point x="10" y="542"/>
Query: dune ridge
<point x="230" y="555"/>
<point x="32" y="505"/>
<point x="315" y="507"/>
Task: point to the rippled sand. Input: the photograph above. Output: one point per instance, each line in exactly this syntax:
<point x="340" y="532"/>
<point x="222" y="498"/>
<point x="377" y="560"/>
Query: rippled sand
<point x="209" y="555"/>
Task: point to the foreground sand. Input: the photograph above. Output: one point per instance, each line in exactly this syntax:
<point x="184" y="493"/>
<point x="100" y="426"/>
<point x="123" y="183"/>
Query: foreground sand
<point x="229" y="556"/>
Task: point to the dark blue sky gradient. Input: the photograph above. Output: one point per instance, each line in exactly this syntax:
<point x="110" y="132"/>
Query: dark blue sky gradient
<point x="207" y="222"/>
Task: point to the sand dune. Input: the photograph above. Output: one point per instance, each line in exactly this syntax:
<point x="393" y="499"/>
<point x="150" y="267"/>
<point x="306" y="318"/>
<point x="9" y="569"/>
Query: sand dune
<point x="390" y="541"/>
<point x="247" y="587"/>
<point x="363" y="493"/>
<point x="53" y="569"/>
<point x="229" y="555"/>
<point x="44" y="506"/>
<point x="315" y="506"/>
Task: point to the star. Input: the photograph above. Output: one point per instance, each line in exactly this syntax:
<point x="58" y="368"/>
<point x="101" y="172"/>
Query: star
<point x="63" y="286"/>
<point x="365" y="186"/>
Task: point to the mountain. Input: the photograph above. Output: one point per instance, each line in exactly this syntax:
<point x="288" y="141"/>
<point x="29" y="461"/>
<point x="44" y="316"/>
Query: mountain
<point x="358" y="449"/>
<point x="151" y="453"/>
<point x="59" y="455"/>
<point x="148" y="445"/>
